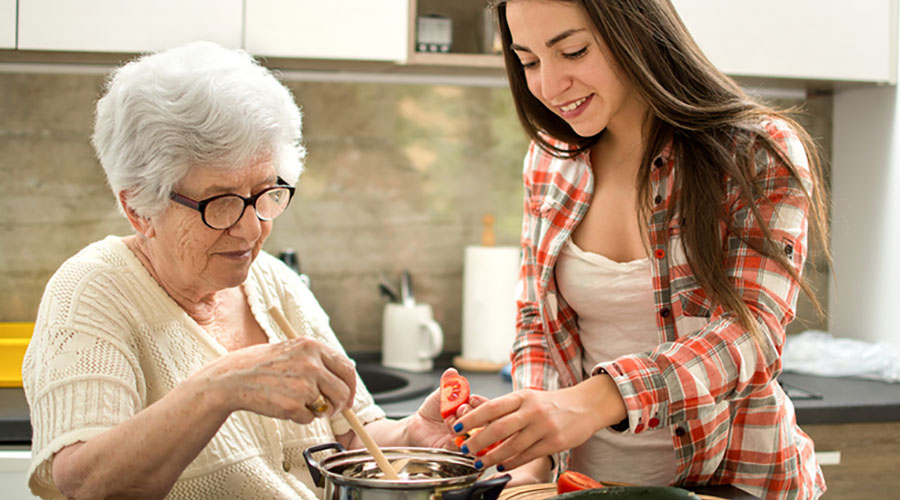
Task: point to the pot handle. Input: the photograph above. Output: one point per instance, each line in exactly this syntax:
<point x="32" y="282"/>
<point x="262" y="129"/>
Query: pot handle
<point x="488" y="489"/>
<point x="313" y="466"/>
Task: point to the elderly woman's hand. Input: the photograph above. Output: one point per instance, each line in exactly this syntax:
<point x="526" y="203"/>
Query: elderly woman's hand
<point x="282" y="380"/>
<point x="427" y="428"/>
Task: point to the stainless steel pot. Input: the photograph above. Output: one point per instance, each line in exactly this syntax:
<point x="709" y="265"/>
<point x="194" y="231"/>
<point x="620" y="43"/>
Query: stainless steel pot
<point x="428" y="474"/>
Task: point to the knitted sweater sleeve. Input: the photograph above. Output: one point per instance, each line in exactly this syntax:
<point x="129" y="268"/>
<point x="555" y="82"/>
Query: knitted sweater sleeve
<point x="80" y="377"/>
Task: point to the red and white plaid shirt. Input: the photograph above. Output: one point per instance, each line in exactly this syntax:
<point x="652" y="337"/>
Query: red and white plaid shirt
<point x="708" y="381"/>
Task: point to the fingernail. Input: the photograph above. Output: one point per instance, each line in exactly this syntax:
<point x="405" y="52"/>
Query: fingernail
<point x="458" y="427"/>
<point x="478" y="464"/>
<point x="464" y="450"/>
<point x="501" y="468"/>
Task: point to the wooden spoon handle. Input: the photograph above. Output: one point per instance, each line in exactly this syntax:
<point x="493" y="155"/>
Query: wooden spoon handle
<point x="348" y="414"/>
<point x="373" y="448"/>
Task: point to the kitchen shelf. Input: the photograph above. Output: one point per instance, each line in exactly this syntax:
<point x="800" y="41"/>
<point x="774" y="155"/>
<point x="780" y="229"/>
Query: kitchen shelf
<point x="456" y="59"/>
<point x="468" y="27"/>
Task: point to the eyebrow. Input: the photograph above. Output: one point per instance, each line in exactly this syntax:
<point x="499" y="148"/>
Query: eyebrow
<point x="231" y="189"/>
<point x="551" y="42"/>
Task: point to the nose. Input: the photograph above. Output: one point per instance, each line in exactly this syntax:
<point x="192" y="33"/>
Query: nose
<point x="248" y="227"/>
<point x="553" y="80"/>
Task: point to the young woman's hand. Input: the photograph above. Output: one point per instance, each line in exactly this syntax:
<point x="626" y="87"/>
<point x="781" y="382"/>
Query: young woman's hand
<point x="531" y="424"/>
<point x="534" y="472"/>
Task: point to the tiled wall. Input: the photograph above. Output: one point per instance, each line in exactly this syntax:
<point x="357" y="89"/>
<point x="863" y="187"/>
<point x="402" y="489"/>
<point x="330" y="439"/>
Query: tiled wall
<point x="398" y="177"/>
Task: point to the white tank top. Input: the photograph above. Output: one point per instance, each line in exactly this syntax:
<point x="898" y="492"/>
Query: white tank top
<point x="614" y="304"/>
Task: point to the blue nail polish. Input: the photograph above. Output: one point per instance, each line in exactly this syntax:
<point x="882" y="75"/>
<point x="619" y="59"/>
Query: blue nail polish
<point x="478" y="464"/>
<point x="501" y="468"/>
<point x="458" y="427"/>
<point x="464" y="450"/>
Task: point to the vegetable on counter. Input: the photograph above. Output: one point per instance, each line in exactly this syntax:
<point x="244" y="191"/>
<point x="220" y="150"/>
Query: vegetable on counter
<point x="575" y="481"/>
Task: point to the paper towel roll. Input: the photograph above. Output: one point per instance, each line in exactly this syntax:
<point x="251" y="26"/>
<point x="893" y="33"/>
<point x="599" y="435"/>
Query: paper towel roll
<point x="489" y="303"/>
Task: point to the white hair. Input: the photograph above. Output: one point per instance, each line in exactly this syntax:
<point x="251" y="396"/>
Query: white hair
<point x="195" y="105"/>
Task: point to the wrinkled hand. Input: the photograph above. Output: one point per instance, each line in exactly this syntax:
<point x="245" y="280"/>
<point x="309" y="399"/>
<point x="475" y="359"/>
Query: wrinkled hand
<point x="281" y="380"/>
<point x="534" y="424"/>
<point x="427" y="428"/>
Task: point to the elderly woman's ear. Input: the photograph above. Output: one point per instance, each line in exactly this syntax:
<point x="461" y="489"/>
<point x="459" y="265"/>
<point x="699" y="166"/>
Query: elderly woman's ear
<point x="140" y="224"/>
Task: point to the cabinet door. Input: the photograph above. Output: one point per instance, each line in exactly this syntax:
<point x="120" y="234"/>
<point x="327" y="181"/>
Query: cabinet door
<point x="14" y="474"/>
<point x="374" y="30"/>
<point x="7" y="24"/>
<point x="126" y="25"/>
<point x="808" y="39"/>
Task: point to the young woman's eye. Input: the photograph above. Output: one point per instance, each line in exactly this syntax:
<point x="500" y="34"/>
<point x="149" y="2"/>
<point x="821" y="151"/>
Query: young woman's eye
<point x="528" y="64"/>
<point x="576" y="54"/>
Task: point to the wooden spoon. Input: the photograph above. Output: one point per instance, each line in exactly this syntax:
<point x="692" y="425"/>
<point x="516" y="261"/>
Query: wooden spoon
<point x="348" y="414"/>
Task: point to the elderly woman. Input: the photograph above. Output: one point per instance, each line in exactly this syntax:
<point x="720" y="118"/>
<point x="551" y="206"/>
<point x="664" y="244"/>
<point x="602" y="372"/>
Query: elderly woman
<point x="156" y="369"/>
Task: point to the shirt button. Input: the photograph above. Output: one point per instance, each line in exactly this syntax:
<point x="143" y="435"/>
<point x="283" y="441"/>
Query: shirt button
<point x="659" y="253"/>
<point x="286" y="466"/>
<point x="658" y="162"/>
<point x="679" y="431"/>
<point x="653" y="422"/>
<point x="664" y="312"/>
<point x="658" y="199"/>
<point x="788" y="249"/>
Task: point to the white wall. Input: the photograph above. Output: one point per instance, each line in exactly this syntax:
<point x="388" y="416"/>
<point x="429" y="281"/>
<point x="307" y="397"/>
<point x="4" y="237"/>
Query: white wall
<point x="865" y="292"/>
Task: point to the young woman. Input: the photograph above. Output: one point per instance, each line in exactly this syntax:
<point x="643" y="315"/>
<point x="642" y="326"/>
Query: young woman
<point x="665" y="233"/>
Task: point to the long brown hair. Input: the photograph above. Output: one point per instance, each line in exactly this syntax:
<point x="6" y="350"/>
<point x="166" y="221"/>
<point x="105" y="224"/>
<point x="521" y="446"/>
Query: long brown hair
<point x="702" y="112"/>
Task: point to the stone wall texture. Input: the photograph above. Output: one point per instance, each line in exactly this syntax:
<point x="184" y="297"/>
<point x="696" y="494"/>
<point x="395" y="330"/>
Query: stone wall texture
<point x="398" y="176"/>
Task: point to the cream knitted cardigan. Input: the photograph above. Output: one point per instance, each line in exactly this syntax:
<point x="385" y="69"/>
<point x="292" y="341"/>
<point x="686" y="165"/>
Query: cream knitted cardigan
<point x="108" y="341"/>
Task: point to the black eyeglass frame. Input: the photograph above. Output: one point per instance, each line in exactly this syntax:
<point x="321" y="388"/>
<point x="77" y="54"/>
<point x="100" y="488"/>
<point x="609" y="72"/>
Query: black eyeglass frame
<point x="200" y="205"/>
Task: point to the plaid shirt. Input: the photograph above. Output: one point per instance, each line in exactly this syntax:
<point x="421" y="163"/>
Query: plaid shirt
<point x="708" y="381"/>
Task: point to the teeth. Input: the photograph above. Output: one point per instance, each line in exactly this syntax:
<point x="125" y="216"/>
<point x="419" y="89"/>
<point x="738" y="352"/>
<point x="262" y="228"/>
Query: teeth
<point x="571" y="107"/>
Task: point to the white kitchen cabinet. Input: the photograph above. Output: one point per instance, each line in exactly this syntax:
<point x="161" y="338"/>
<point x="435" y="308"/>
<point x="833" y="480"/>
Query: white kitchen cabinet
<point x="469" y="47"/>
<point x="126" y="25"/>
<point x="14" y="474"/>
<point x="7" y="24"/>
<point x="806" y="39"/>
<point x="369" y="30"/>
<point x="833" y="40"/>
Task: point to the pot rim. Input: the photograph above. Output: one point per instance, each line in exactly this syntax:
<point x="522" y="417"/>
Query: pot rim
<point x="393" y="453"/>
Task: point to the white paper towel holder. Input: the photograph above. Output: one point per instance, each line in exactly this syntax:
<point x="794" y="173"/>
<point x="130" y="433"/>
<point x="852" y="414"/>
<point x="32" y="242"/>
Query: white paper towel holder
<point x="477" y="365"/>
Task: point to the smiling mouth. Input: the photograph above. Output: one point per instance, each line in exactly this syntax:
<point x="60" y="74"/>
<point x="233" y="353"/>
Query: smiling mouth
<point x="572" y="106"/>
<point x="239" y="254"/>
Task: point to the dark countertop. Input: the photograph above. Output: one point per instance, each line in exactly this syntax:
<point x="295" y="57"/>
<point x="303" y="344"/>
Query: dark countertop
<point x="15" y="425"/>
<point x="838" y="400"/>
<point x="818" y="400"/>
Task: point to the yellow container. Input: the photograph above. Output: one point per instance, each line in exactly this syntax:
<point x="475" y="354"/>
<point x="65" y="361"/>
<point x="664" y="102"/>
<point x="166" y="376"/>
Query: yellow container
<point x="14" y="338"/>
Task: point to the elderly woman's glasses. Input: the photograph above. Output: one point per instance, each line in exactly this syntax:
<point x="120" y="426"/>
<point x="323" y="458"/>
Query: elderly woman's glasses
<point x="225" y="210"/>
